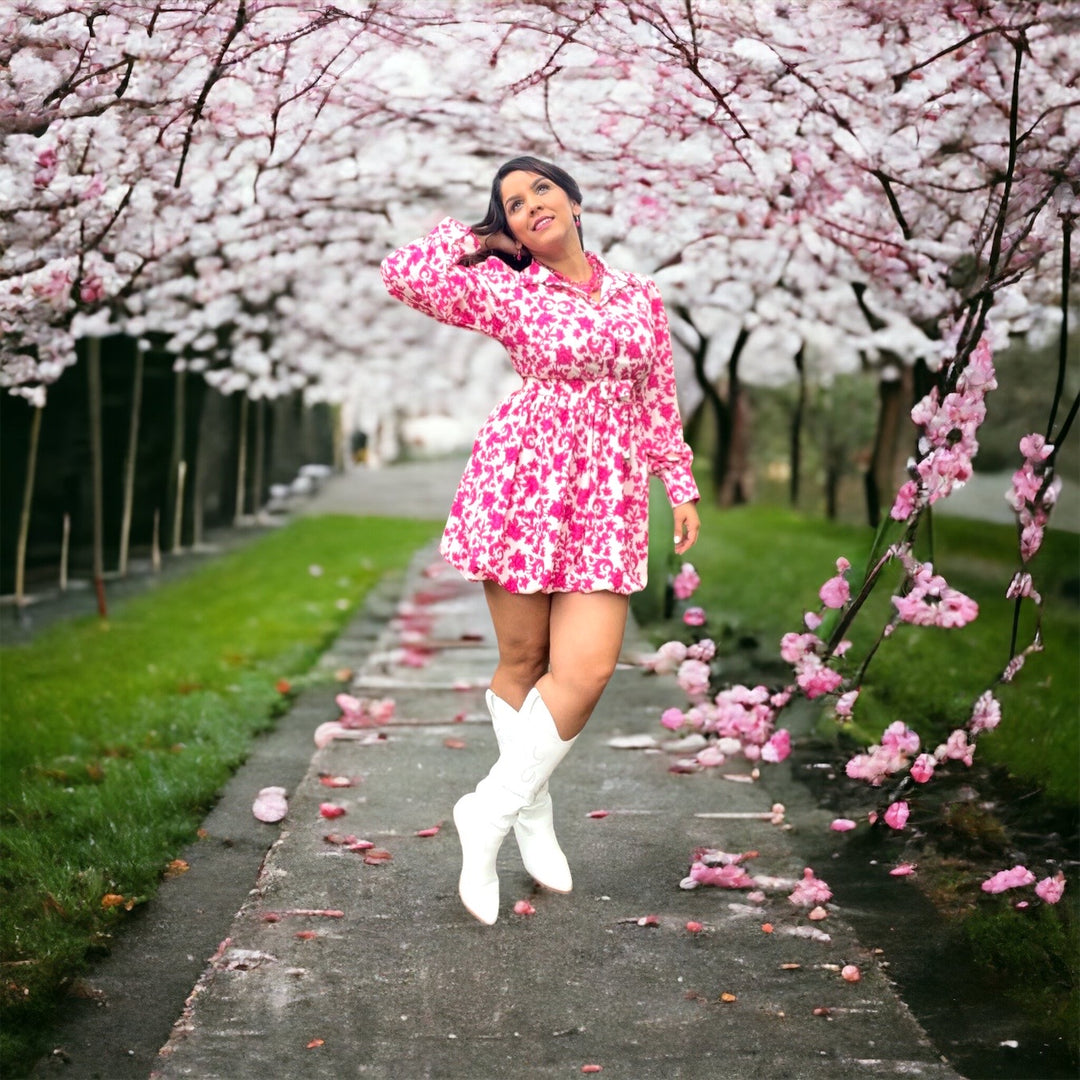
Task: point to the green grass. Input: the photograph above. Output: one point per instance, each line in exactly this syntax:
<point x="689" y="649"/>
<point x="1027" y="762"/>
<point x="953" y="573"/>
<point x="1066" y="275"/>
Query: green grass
<point x="761" y="567"/>
<point x="117" y="735"/>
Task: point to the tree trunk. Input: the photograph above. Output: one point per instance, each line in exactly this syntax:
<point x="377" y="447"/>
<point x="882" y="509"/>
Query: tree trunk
<point x="178" y="510"/>
<point x="129" y="463"/>
<point x="173" y="506"/>
<point x="241" y="461"/>
<point x="93" y="377"/>
<point x="65" y="548"/>
<point x="894" y="404"/>
<point x="797" y="418"/>
<point x="735" y="489"/>
<point x="260" y="457"/>
<point x="24" y="516"/>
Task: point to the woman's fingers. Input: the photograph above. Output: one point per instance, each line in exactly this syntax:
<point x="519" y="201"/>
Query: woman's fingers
<point x="687" y="527"/>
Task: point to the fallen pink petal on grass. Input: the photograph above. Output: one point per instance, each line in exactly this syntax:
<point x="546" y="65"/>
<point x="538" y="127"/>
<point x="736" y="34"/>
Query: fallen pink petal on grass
<point x="842" y="824"/>
<point x="850" y="973"/>
<point x="1050" y="889"/>
<point x="1008" y="879"/>
<point x="903" y="869"/>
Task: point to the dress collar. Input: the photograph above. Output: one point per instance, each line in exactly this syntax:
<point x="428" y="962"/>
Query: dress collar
<point x="614" y="280"/>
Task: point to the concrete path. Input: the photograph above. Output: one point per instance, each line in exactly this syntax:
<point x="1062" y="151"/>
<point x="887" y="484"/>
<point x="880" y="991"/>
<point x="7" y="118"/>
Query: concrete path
<point x="340" y="966"/>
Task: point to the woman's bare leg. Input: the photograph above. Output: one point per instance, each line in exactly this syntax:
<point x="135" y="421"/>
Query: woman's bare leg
<point x="586" y="634"/>
<point x="521" y="631"/>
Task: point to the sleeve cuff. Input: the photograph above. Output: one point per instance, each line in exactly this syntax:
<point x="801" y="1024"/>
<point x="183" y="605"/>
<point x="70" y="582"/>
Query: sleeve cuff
<point x="680" y="487"/>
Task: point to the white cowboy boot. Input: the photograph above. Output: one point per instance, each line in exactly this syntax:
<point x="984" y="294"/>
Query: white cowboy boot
<point x="484" y="816"/>
<point x="535" y="826"/>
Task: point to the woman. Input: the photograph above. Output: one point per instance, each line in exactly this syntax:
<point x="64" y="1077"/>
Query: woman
<point x="551" y="514"/>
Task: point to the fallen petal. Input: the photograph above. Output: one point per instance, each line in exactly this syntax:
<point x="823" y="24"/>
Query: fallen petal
<point x="632" y="742"/>
<point x="454" y="744"/>
<point x="523" y="907"/>
<point x="649" y="920"/>
<point x="331" y="810"/>
<point x="376" y="856"/>
<point x="850" y="973"/>
<point x="903" y="869"/>
<point x="433" y="831"/>
<point x="842" y="824"/>
<point x="337" y="781"/>
<point x="694" y="927"/>
<point x="314" y="1043"/>
<point x="270" y="805"/>
<point x="598" y="813"/>
<point x="818" y="914"/>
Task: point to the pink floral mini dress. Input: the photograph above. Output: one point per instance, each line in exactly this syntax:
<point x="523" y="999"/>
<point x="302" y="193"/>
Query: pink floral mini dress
<point x="555" y="495"/>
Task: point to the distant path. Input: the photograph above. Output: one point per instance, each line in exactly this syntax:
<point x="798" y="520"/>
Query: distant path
<point x="414" y="489"/>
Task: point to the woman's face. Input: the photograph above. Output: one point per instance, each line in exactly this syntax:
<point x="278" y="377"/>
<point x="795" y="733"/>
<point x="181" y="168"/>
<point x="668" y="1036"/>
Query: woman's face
<point x="539" y="213"/>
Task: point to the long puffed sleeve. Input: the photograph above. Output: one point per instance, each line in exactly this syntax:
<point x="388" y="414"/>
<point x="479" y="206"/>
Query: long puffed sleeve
<point x="666" y="451"/>
<point x="426" y="276"/>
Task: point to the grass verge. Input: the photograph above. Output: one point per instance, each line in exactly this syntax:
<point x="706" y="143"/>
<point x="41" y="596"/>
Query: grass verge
<point x="118" y="734"/>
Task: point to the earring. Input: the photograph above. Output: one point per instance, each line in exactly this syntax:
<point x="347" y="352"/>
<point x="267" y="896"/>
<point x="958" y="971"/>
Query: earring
<point x="577" y="221"/>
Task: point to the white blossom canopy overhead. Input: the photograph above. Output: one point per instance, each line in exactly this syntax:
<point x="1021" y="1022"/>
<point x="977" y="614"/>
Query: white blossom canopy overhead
<point x="229" y="175"/>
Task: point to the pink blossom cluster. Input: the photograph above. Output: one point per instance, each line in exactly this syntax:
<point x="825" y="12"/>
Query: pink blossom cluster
<point x="898" y="744"/>
<point x="931" y="601"/>
<point x="686" y="582"/>
<point x="1027" y="496"/>
<point x="948" y="444"/>
<point x="1049" y="889"/>
<point x="813" y="676"/>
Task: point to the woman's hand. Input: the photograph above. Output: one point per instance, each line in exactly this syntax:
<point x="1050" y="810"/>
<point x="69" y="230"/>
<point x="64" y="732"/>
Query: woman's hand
<point x="500" y="242"/>
<point x="687" y="527"/>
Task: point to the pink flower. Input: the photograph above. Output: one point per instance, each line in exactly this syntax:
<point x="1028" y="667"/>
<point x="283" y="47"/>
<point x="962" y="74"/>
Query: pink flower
<point x="672" y="719"/>
<point x="986" y="715"/>
<point x="956" y="748"/>
<point x="710" y="756"/>
<point x="845" y="703"/>
<point x="899" y="737"/>
<point x="842" y="824"/>
<point x="667" y="658"/>
<point x="923" y="768"/>
<point x="693" y="677"/>
<point x="686" y="582"/>
<point x="897" y="814"/>
<point x="931" y="601"/>
<point x="812" y="620"/>
<point x="793" y="647"/>
<point x="91" y="289"/>
<point x="906" y="499"/>
<point x="1008" y="879"/>
<point x="1022" y="585"/>
<point x="777" y="748"/>
<point x="705" y="650"/>
<point x="815" y="679"/>
<point x="694" y="616"/>
<point x="835" y="593"/>
<point x="271" y="806"/>
<point x="811" y="891"/>
<point x="1051" y="888"/>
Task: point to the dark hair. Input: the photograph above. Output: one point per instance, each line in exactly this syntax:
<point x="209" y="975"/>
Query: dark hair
<point x="494" y="221"/>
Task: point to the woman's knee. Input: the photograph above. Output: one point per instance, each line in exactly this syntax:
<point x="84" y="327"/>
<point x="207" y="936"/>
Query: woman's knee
<point x="524" y="665"/>
<point x="586" y="677"/>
